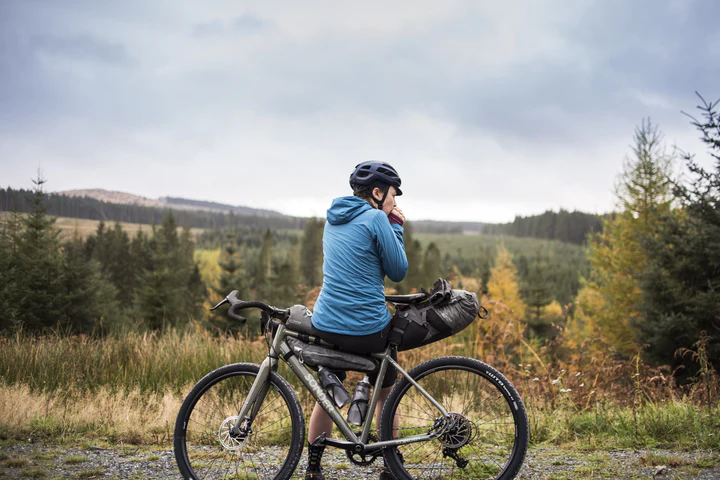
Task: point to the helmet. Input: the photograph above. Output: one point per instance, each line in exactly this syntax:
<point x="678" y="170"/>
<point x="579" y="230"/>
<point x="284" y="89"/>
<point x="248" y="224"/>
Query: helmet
<point x="373" y="174"/>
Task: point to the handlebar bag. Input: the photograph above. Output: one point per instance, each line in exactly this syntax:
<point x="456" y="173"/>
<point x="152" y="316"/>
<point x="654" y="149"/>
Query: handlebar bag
<point x="424" y="323"/>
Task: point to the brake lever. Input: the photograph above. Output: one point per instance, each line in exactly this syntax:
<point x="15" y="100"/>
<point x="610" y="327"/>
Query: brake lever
<point x="231" y="298"/>
<point x="223" y="302"/>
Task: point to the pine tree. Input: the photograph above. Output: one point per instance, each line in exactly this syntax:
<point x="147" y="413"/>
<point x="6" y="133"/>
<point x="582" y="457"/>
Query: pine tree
<point x="39" y="267"/>
<point x="111" y="249"/>
<point x="162" y="299"/>
<point x="197" y="292"/>
<point x="9" y="287"/>
<point x="536" y="294"/>
<point x="232" y="274"/>
<point x="311" y="252"/>
<point x="617" y="255"/>
<point x="232" y="277"/>
<point x="431" y="265"/>
<point x="287" y="281"/>
<point x="264" y="275"/>
<point x="89" y="298"/>
<point x="682" y="283"/>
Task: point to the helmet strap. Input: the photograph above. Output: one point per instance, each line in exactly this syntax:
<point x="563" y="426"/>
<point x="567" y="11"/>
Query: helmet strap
<point x="382" y="200"/>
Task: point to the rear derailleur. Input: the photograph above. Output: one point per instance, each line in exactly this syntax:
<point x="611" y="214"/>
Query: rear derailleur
<point x="452" y="453"/>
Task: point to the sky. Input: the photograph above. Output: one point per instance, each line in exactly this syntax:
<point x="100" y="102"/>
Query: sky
<point x="487" y="109"/>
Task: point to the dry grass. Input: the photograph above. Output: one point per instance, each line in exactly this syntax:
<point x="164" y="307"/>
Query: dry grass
<point x="131" y="417"/>
<point x="129" y="387"/>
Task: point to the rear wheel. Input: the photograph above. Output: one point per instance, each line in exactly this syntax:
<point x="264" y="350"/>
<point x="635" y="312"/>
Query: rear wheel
<point x="270" y="448"/>
<point x="485" y="435"/>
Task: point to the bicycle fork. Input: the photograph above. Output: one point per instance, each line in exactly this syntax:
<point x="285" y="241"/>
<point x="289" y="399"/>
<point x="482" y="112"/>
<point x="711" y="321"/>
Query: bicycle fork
<point x="243" y="424"/>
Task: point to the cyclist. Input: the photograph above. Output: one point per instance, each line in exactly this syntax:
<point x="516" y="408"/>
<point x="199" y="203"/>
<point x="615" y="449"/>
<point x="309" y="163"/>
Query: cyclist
<point x="362" y="243"/>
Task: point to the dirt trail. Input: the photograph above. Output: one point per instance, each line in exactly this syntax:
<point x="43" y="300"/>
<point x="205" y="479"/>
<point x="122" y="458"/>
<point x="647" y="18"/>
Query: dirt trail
<point x="127" y="462"/>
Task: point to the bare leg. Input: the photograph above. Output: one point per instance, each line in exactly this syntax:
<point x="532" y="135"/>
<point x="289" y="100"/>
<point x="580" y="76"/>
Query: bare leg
<point x="320" y="422"/>
<point x="384" y="392"/>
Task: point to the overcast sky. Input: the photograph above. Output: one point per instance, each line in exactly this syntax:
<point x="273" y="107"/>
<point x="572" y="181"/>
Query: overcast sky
<point x="487" y="109"/>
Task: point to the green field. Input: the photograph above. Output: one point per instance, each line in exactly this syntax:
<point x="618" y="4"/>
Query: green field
<point x="84" y="228"/>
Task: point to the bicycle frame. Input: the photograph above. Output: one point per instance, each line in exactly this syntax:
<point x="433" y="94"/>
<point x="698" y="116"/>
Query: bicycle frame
<point x="280" y="349"/>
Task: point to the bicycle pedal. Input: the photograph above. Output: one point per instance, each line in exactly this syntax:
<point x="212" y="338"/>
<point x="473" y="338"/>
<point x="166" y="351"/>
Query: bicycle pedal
<point x="320" y="440"/>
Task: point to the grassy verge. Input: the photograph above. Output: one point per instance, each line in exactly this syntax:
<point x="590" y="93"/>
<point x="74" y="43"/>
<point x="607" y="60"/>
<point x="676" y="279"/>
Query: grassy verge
<point x="129" y="388"/>
<point x="148" y="419"/>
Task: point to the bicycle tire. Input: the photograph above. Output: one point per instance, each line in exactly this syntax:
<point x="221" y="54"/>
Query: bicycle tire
<point x="271" y="450"/>
<point x="488" y="429"/>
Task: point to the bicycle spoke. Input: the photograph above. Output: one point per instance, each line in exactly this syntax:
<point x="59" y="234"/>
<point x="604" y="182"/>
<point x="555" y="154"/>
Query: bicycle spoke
<point x="212" y="451"/>
<point x="477" y="437"/>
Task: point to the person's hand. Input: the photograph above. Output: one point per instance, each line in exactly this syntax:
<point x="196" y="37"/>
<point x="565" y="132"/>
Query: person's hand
<point x="396" y="216"/>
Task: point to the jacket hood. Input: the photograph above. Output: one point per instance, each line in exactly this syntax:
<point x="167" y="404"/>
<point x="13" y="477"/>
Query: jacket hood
<point x="344" y="209"/>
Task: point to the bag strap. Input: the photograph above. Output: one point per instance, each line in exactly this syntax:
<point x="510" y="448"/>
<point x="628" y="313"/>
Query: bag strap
<point x="399" y="323"/>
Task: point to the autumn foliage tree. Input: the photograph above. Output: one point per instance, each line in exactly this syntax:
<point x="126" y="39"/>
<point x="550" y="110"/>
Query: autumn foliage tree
<point x="503" y="287"/>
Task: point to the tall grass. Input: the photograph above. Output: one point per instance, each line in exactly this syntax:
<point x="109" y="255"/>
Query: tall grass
<point x="147" y="362"/>
<point x="128" y="387"/>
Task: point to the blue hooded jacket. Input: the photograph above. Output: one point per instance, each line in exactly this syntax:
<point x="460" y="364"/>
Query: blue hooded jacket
<point x="360" y="246"/>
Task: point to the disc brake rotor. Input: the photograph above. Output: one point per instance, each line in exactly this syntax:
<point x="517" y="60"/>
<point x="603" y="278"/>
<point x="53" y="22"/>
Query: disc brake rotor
<point x="228" y="440"/>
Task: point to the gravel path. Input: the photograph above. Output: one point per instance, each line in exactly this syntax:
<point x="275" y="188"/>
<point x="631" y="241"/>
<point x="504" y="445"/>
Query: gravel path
<point x="49" y="461"/>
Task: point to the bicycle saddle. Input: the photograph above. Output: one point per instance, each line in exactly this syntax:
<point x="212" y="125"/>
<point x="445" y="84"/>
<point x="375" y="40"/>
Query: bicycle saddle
<point x="413" y="298"/>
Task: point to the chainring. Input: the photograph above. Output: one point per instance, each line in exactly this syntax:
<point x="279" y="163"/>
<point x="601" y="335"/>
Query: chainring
<point x="364" y="459"/>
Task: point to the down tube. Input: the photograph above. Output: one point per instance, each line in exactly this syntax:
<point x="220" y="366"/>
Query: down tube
<point x="318" y="392"/>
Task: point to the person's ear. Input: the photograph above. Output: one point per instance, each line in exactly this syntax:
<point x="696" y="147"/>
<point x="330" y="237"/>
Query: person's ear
<point x="377" y="194"/>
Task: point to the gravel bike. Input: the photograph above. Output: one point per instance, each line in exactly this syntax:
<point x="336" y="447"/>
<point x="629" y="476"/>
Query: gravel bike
<point x="449" y="417"/>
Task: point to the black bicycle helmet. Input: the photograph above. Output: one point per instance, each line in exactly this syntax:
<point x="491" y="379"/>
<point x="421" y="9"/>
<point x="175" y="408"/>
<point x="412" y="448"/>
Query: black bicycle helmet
<point x="375" y="174"/>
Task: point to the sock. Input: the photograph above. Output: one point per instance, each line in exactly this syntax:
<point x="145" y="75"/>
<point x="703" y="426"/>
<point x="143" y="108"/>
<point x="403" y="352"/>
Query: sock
<point x="315" y="454"/>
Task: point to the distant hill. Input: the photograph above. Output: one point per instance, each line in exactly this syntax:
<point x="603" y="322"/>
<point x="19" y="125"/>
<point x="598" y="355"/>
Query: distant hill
<point x="436" y="226"/>
<point x="99" y="204"/>
<point x="111" y="196"/>
<point x="128" y="208"/>
<point x="187" y="204"/>
<point x="123" y="198"/>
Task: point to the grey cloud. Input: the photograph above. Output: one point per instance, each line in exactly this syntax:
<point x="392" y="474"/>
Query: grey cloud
<point x="246" y="24"/>
<point x="620" y="48"/>
<point x="249" y="23"/>
<point x="206" y="29"/>
<point x="81" y="47"/>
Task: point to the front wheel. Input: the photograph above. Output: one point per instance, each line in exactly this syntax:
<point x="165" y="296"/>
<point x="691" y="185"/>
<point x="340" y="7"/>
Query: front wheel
<point x="269" y="447"/>
<point x="484" y="436"/>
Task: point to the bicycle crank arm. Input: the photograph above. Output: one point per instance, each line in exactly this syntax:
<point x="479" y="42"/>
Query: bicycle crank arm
<point x="344" y="445"/>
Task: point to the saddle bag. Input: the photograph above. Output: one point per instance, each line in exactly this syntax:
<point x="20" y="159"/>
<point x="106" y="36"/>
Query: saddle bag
<point x="445" y="313"/>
